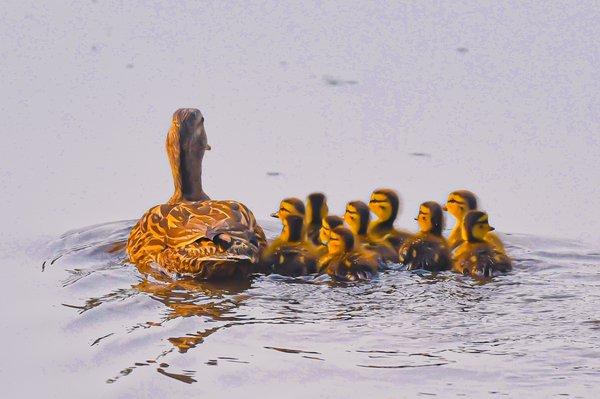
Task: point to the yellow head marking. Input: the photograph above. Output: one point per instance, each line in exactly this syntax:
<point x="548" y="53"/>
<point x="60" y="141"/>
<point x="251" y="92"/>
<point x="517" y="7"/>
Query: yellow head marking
<point x="352" y="218"/>
<point x="380" y="205"/>
<point x="424" y="219"/>
<point x="335" y="245"/>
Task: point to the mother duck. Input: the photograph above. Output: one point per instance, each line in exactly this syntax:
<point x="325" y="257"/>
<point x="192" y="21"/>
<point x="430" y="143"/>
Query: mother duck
<point x="191" y="234"/>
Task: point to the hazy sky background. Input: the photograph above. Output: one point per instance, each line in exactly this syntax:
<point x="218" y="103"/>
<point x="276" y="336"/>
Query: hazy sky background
<point x="88" y="89"/>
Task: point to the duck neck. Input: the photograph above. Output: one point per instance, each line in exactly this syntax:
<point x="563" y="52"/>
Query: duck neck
<point x="186" y="164"/>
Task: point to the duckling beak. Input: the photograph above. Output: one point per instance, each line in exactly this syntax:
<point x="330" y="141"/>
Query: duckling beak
<point x="416" y="218"/>
<point x="492" y="228"/>
<point x="208" y="147"/>
<point x="445" y="208"/>
<point x="275" y="215"/>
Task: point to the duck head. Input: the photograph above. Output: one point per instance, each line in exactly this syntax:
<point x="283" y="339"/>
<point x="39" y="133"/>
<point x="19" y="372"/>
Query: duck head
<point x="357" y="217"/>
<point x="340" y="241"/>
<point x="385" y="204"/>
<point x="186" y="144"/>
<point x="289" y="206"/>
<point x="460" y="202"/>
<point x="327" y="224"/>
<point x="430" y="218"/>
<point x="316" y="208"/>
<point x="475" y="226"/>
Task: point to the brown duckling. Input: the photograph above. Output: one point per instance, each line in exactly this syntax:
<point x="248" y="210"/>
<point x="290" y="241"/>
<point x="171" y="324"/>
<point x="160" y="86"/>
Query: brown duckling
<point x="289" y="254"/>
<point x="427" y="249"/>
<point x="316" y="210"/>
<point x="458" y="204"/>
<point x="344" y="260"/>
<point x="385" y="204"/>
<point x="357" y="217"/>
<point x="477" y="256"/>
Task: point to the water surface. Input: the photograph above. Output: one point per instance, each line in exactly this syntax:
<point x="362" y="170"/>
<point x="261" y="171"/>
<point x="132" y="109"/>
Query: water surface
<point x="98" y="325"/>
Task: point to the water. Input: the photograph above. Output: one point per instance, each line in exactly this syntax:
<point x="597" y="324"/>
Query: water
<point x="94" y="324"/>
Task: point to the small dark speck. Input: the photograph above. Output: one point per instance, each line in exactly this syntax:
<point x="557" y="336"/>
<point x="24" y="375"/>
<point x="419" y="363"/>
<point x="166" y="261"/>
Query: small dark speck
<point x="94" y="48"/>
<point x="165" y="365"/>
<point x="273" y="173"/>
<point x="283" y="63"/>
<point x="420" y="154"/>
<point x="212" y="362"/>
<point x="129" y="66"/>
<point x="338" y="82"/>
<point x="462" y="50"/>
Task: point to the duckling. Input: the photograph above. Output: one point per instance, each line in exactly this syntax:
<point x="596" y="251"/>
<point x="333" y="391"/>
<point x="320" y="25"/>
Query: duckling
<point x="458" y="204"/>
<point x="477" y="256"/>
<point x="289" y="206"/>
<point x="344" y="260"/>
<point x="427" y="249"/>
<point x="329" y="223"/>
<point x="357" y="217"/>
<point x="289" y="254"/>
<point x="316" y="210"/>
<point x="385" y="204"/>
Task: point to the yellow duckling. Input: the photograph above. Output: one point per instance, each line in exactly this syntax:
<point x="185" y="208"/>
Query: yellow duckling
<point x="458" y="204"/>
<point x="357" y="217"/>
<point x="477" y="256"/>
<point x="329" y="223"/>
<point x="385" y="204"/>
<point x="289" y="206"/>
<point x="344" y="260"/>
<point x="427" y="249"/>
<point x="289" y="254"/>
<point x="316" y="210"/>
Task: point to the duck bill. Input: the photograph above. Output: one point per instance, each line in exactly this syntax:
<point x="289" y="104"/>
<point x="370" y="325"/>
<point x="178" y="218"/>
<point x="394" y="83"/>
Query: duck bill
<point x="275" y="215"/>
<point x="492" y="228"/>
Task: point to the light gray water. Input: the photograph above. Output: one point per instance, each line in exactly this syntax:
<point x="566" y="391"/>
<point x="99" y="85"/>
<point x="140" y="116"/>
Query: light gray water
<point x="91" y="324"/>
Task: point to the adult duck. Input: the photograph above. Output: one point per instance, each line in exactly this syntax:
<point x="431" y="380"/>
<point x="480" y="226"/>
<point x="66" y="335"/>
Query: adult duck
<point x="191" y="234"/>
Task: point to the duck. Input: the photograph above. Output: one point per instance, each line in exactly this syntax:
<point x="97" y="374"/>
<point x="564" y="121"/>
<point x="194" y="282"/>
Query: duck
<point x="289" y="254"/>
<point x="316" y="210"/>
<point x="344" y="260"/>
<point x="190" y="234"/>
<point x="460" y="202"/>
<point x="427" y="250"/>
<point x="385" y="204"/>
<point x="357" y="217"/>
<point x="477" y="256"/>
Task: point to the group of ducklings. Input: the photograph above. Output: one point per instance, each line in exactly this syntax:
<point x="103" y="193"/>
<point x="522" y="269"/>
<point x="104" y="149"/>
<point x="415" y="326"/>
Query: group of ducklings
<point x="354" y="247"/>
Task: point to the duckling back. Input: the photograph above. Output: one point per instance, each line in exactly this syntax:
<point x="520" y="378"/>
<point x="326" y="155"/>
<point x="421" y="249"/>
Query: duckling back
<point x="425" y="252"/>
<point x="482" y="260"/>
<point x="289" y="254"/>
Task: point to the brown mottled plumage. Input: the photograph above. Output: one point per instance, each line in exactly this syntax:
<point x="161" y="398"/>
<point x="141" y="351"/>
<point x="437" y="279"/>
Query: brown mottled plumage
<point x="192" y="235"/>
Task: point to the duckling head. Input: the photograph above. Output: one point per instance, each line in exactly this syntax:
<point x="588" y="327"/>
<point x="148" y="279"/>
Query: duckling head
<point x="357" y="217"/>
<point x="430" y="218"/>
<point x="460" y="202"/>
<point x="292" y="228"/>
<point x="475" y="226"/>
<point x="385" y="204"/>
<point x="289" y="206"/>
<point x="340" y="241"/>
<point x="316" y="208"/>
<point x="329" y="223"/>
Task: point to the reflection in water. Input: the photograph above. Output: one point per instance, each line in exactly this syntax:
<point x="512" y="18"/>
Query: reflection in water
<point x="399" y="321"/>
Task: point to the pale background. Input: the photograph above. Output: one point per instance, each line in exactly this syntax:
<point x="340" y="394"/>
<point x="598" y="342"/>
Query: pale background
<point x="88" y="89"/>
